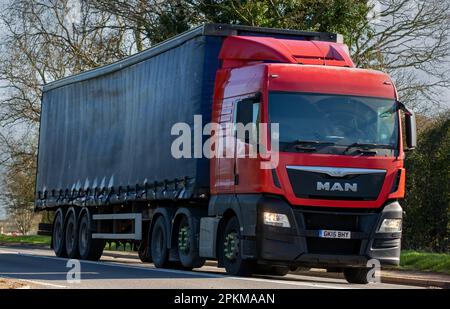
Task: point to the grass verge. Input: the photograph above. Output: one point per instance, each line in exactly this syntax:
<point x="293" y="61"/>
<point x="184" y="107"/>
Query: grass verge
<point x="425" y="261"/>
<point x="30" y="240"/>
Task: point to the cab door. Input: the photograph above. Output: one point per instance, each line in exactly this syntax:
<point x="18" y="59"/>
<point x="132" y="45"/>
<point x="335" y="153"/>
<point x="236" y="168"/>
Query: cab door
<point x="246" y="129"/>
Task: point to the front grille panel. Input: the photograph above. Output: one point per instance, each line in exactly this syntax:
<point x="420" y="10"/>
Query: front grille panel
<point x="314" y="185"/>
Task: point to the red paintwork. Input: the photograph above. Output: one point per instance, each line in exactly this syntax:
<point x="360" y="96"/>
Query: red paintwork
<point x="241" y="50"/>
<point x="235" y="83"/>
<point x="319" y="79"/>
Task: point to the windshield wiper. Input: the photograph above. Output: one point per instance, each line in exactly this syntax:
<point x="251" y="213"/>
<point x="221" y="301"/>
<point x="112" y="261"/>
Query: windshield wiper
<point x="365" y="147"/>
<point x="308" y="145"/>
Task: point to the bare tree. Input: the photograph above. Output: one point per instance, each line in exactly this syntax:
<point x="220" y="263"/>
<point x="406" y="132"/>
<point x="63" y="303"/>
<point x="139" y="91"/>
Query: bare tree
<point x="152" y="21"/>
<point x="45" y="40"/>
<point x="18" y="183"/>
<point x="42" y="41"/>
<point x="22" y="216"/>
<point x="409" y="39"/>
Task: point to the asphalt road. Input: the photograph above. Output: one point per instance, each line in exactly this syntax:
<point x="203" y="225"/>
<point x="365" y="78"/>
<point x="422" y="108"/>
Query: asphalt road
<point x="41" y="269"/>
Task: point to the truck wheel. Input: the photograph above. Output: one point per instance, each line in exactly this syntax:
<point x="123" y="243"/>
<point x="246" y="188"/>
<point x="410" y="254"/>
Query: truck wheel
<point x="58" y="238"/>
<point x="187" y="244"/>
<point x="90" y="249"/>
<point x="231" y="251"/>
<point x="356" y="275"/>
<point x="160" y="253"/>
<point x="71" y="234"/>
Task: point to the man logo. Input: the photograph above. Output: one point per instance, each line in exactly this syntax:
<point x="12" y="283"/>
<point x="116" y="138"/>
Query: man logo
<point x="345" y="187"/>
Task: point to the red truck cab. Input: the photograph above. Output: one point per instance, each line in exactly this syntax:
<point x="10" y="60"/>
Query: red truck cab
<point x="331" y="198"/>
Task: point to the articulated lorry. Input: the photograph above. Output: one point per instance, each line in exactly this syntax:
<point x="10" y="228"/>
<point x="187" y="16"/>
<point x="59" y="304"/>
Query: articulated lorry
<point x="109" y="162"/>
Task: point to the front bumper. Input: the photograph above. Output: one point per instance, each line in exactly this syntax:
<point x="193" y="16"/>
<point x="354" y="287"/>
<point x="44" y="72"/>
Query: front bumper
<point x="301" y="245"/>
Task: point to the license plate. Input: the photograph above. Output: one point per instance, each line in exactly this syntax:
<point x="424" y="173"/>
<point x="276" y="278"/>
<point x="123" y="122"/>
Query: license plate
<point x="334" y="234"/>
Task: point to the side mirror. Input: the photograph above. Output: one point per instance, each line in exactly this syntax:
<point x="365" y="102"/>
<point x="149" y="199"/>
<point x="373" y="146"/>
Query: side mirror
<point x="410" y="126"/>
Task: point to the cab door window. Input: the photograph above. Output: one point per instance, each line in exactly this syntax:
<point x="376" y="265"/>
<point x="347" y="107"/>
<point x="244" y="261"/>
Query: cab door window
<point x="246" y="120"/>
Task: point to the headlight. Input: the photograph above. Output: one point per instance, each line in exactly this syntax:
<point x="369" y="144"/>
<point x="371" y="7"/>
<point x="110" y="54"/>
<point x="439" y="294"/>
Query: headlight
<point x="390" y="226"/>
<point x="274" y="219"/>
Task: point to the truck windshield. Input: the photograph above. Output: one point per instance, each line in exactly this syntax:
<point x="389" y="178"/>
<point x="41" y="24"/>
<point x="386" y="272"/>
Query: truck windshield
<point x="336" y="124"/>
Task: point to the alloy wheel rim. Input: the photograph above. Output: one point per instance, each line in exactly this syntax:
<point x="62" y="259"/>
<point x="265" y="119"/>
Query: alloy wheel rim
<point x="183" y="239"/>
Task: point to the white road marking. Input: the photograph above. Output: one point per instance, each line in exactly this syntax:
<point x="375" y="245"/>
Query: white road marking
<point x="207" y="275"/>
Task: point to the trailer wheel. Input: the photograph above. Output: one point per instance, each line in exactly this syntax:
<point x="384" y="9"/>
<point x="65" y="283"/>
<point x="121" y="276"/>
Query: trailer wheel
<point x="58" y="238"/>
<point x="187" y="243"/>
<point x="159" y="250"/>
<point x="230" y="248"/>
<point x="90" y="249"/>
<point x="71" y="235"/>
<point x="356" y="275"/>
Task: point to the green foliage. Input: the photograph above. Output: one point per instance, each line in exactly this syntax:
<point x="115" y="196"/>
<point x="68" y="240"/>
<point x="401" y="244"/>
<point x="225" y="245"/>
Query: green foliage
<point x="347" y="17"/>
<point x="427" y="202"/>
<point x="424" y="261"/>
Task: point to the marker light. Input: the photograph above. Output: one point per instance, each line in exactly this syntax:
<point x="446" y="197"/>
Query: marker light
<point x="280" y="220"/>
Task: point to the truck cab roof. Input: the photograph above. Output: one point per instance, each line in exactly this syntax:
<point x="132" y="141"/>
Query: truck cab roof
<point x="240" y="50"/>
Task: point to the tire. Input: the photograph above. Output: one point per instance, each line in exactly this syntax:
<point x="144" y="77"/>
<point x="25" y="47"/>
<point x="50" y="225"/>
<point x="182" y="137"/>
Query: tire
<point x="356" y="275"/>
<point x="158" y="245"/>
<point x="89" y="249"/>
<point x="144" y="250"/>
<point x="58" y="236"/>
<point x="187" y="243"/>
<point x="230" y="249"/>
<point x="71" y="235"/>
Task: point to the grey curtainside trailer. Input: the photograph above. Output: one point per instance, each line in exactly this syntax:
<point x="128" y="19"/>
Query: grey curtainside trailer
<point x="106" y="136"/>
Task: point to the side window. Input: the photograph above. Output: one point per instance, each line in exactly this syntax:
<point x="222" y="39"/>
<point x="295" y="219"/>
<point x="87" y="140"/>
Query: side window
<point x="247" y="112"/>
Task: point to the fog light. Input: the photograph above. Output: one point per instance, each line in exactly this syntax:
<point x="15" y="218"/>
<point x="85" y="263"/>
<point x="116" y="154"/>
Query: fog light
<point x="390" y="226"/>
<point x="280" y="220"/>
